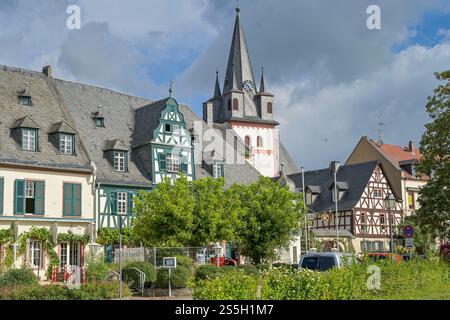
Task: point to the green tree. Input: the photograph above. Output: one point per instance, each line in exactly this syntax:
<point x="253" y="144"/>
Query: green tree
<point x="164" y="216"/>
<point x="434" y="213"/>
<point x="213" y="219"/>
<point x="269" y="216"/>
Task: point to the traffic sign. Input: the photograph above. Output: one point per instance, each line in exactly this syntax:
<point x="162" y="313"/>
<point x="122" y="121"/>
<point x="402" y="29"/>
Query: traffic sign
<point x="408" y="231"/>
<point x="409" y="243"/>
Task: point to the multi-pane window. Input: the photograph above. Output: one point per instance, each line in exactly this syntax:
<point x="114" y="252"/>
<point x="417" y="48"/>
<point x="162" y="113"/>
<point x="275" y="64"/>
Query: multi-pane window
<point x="173" y="163"/>
<point x="122" y="202"/>
<point x="35" y="253"/>
<point x="25" y="101"/>
<point x="119" y="161"/>
<point x="217" y="170"/>
<point x="66" y="144"/>
<point x="29" y="189"/>
<point x="377" y="193"/>
<point x="63" y="257"/>
<point x="29" y="140"/>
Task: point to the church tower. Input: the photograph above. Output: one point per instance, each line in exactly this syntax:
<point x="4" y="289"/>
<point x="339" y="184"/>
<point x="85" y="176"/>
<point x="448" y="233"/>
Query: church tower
<point x="247" y="110"/>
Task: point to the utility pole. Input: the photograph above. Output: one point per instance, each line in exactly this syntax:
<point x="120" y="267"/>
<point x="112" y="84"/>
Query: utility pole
<point x="336" y="198"/>
<point x="306" y="211"/>
<point x="120" y="259"/>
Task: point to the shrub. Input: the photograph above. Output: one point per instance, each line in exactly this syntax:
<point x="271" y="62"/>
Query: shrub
<point x="232" y="285"/>
<point x="209" y="272"/>
<point x="184" y="261"/>
<point x="17" y="277"/>
<point x="130" y="275"/>
<point x="249" y="269"/>
<point x="92" y="291"/>
<point x="180" y="277"/>
<point x="97" y="269"/>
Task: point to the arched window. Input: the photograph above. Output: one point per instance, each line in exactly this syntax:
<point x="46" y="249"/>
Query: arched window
<point x="235" y="104"/>
<point x="269" y="107"/>
<point x="259" y="142"/>
<point x="248" y="141"/>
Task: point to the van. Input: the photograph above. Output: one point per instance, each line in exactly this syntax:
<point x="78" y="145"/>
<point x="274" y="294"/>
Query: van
<point x="323" y="261"/>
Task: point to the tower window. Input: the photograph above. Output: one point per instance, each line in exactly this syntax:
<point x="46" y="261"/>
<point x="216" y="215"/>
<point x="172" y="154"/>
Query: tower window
<point x="235" y="104"/>
<point x="269" y="107"/>
<point x="168" y="128"/>
<point x="247" y="141"/>
<point x="260" y="142"/>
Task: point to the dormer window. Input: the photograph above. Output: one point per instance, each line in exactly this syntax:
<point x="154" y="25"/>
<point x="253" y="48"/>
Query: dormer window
<point x="66" y="144"/>
<point x="311" y="194"/>
<point x="29" y="139"/>
<point x="341" y="194"/>
<point x="25" y="100"/>
<point x="119" y="161"/>
<point x="100" y="122"/>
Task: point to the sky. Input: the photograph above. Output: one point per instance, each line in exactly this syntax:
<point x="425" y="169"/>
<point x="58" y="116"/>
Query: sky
<point x="333" y="78"/>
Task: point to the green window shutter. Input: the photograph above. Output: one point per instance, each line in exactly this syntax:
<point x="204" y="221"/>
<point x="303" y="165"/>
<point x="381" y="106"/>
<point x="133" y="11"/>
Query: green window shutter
<point x="162" y="162"/>
<point x="37" y="140"/>
<point x="39" y="197"/>
<point x="113" y="202"/>
<point x="76" y="200"/>
<point x="222" y="169"/>
<point x="67" y="209"/>
<point x="184" y="168"/>
<point x="125" y="154"/>
<point x="19" y="197"/>
<point x="130" y="203"/>
<point x="2" y="183"/>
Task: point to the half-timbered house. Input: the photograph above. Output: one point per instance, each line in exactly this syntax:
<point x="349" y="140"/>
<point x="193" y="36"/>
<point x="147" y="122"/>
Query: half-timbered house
<point x="362" y="221"/>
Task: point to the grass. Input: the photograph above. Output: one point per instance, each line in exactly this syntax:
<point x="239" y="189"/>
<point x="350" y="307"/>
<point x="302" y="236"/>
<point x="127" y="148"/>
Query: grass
<point x="428" y="293"/>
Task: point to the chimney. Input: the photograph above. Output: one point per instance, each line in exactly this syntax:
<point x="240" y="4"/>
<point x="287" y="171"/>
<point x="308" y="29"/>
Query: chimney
<point x="334" y="166"/>
<point x="411" y="146"/>
<point x="47" y="70"/>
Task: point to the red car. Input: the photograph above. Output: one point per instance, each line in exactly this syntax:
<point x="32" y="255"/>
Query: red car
<point x="224" y="262"/>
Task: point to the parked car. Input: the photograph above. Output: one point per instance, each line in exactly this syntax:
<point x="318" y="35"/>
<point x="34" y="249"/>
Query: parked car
<point x="323" y="261"/>
<point x="384" y="256"/>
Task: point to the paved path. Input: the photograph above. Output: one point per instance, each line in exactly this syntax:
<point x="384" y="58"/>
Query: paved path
<point x="160" y="298"/>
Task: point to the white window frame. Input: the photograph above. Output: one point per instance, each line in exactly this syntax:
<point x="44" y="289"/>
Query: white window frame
<point x="29" y="189"/>
<point x="35" y="253"/>
<point x="119" y="161"/>
<point x="172" y="163"/>
<point x="66" y="144"/>
<point x="217" y="170"/>
<point x="377" y="193"/>
<point x="122" y="202"/>
<point x="28" y="140"/>
<point x="64" y="252"/>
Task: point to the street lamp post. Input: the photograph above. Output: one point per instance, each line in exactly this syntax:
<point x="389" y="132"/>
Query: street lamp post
<point x="336" y="198"/>
<point x="389" y="203"/>
<point x="304" y="205"/>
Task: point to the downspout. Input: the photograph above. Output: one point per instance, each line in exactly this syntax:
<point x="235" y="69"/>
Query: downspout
<point x="94" y="194"/>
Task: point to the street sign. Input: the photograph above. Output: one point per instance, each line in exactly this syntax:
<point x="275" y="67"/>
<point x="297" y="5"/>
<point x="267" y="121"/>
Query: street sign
<point x="169" y="262"/>
<point x="409" y="243"/>
<point x="408" y="231"/>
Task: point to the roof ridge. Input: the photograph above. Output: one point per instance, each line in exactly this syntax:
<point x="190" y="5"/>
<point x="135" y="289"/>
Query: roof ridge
<point x="17" y="69"/>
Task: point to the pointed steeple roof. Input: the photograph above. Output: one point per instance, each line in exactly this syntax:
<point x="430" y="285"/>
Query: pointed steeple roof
<point x="217" y="92"/>
<point x="262" y="88"/>
<point x="239" y="67"/>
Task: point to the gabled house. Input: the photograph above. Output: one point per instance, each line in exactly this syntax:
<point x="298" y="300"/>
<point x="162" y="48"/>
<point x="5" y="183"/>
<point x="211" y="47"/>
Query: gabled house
<point x="398" y="163"/>
<point x="362" y="222"/>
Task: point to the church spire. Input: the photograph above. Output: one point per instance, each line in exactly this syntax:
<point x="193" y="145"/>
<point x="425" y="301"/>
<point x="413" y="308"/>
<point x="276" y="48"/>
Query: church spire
<point x="239" y="67"/>
<point x="262" y="88"/>
<point x="217" y="92"/>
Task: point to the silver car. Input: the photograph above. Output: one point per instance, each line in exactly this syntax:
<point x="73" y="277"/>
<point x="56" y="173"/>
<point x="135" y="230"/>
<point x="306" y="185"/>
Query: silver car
<point x="323" y="261"/>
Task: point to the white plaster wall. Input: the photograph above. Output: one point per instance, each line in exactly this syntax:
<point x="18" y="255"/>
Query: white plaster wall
<point x="266" y="164"/>
<point x="54" y="182"/>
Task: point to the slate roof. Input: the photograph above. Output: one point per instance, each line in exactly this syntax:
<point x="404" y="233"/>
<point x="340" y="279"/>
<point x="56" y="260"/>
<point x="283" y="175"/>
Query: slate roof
<point x="355" y="177"/>
<point x="64" y="106"/>
<point x="118" y="110"/>
<point x="44" y="114"/>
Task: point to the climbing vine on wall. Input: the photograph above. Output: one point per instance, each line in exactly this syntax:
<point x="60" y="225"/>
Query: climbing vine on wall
<point x="45" y="236"/>
<point x="71" y="237"/>
<point x="7" y="240"/>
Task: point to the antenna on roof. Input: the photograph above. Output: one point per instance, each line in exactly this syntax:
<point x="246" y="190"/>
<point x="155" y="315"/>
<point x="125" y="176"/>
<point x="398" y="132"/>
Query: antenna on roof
<point x="380" y="128"/>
